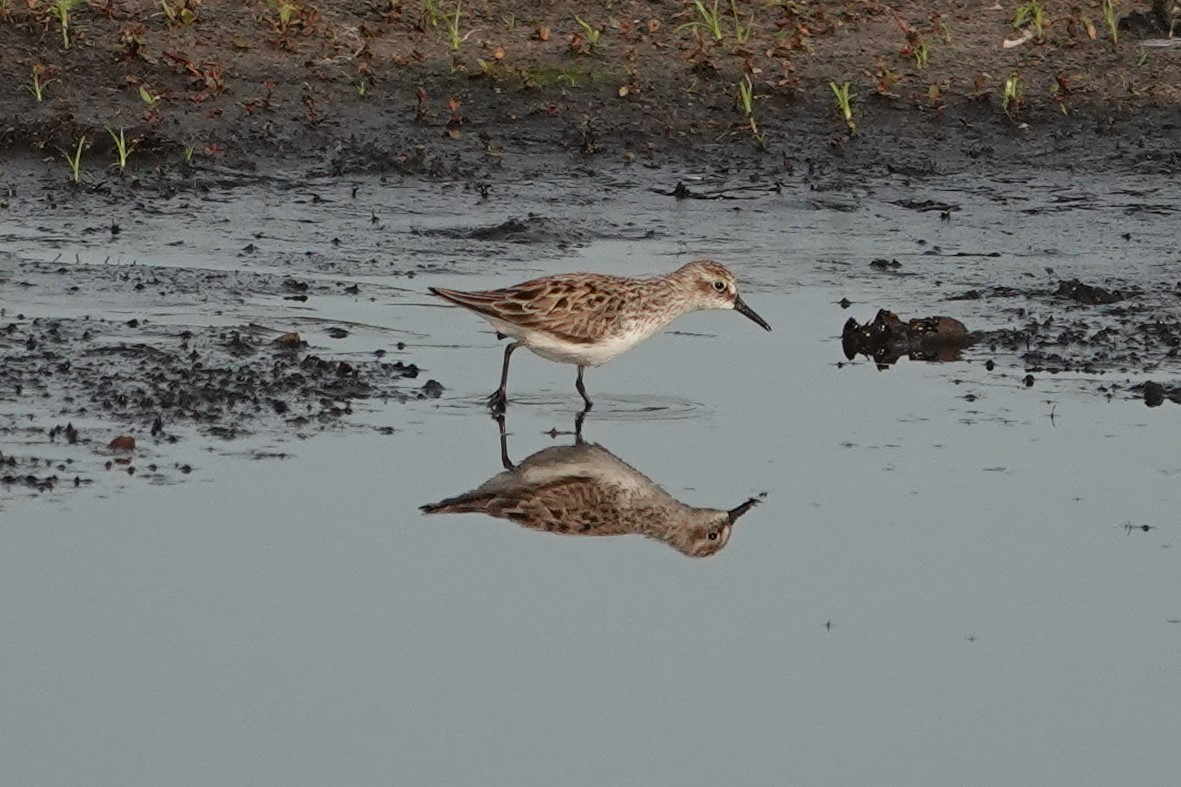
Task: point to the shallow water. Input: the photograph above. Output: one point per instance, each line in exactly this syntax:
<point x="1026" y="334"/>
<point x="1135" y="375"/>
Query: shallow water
<point x="939" y="586"/>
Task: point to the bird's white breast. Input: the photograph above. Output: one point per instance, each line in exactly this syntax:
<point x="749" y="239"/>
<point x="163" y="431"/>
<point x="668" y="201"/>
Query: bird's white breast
<point x="596" y="353"/>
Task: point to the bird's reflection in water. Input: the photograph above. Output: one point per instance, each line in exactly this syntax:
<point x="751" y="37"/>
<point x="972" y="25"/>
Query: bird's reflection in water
<point x="585" y="490"/>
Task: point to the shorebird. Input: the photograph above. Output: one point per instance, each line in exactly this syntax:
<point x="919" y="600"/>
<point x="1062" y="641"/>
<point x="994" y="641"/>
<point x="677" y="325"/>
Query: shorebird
<point x="588" y="319"/>
<point x="585" y="490"/>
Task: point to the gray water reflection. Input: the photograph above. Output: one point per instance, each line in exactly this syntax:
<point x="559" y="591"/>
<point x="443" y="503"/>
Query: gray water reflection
<point x="585" y="490"/>
<point x="939" y="588"/>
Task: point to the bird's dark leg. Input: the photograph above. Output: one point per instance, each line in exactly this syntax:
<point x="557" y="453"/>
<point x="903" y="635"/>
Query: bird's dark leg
<point x="504" y="460"/>
<point x="582" y="390"/>
<point x="578" y="419"/>
<point x="499" y="400"/>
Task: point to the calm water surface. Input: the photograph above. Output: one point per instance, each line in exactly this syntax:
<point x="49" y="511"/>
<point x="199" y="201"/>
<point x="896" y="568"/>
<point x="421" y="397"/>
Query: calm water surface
<point x="937" y="589"/>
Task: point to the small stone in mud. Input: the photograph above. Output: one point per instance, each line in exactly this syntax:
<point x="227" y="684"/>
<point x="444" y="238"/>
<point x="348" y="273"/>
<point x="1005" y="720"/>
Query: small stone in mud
<point x="883" y="264"/>
<point x="1028" y="381"/>
<point x="290" y="340"/>
<point x="989" y="364"/>
<point x="122" y="443"/>
<point x="845" y="303"/>
<point x="336" y="333"/>
<point x="299" y="298"/>
<point x="432" y="389"/>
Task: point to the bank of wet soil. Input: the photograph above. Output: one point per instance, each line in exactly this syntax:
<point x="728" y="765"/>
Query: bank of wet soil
<point x="367" y="86"/>
<point x="1070" y="328"/>
<point x="74" y="383"/>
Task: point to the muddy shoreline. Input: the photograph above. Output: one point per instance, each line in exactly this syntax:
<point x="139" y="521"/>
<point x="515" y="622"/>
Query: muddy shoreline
<point x="354" y="87"/>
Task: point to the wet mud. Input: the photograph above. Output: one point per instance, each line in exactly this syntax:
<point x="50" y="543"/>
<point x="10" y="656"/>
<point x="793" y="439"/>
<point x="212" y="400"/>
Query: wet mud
<point x="74" y="385"/>
<point x="348" y="88"/>
<point x="1070" y="327"/>
<point x="1093" y="330"/>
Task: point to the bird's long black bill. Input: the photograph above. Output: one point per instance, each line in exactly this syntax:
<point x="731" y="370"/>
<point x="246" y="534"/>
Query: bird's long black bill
<point x="734" y="513"/>
<point x="741" y="307"/>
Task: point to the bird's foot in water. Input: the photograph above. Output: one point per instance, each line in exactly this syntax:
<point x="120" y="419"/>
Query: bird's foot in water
<point x="498" y="402"/>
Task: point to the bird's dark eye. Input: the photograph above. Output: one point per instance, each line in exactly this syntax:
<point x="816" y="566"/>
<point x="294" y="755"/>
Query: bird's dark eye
<point x="713" y="535"/>
<point x="719" y="285"/>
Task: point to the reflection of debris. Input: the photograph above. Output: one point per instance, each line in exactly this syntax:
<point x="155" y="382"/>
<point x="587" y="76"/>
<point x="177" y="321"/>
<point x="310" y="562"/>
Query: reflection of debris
<point x="887" y="338"/>
<point x="1128" y="528"/>
<point x="1075" y="290"/>
<point x="927" y="205"/>
<point x="883" y="264"/>
<point x="1155" y="393"/>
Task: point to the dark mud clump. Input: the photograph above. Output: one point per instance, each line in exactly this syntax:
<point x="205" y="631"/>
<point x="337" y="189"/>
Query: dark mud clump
<point x="1078" y="327"/>
<point x="75" y="381"/>
<point x="1068" y="326"/>
<point x="887" y="338"/>
<point x="225" y="383"/>
<point x="1155" y="394"/>
<point x="1075" y="290"/>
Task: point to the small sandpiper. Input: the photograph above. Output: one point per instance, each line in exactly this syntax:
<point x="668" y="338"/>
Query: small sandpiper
<point x="588" y="319"/>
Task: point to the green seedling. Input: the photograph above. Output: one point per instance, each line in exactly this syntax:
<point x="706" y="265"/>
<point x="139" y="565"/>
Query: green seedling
<point x="590" y="33"/>
<point x="741" y="32"/>
<point x="149" y="98"/>
<point x="708" y="19"/>
<point x="1112" y="18"/>
<point x="1032" y="15"/>
<point x="844" y="103"/>
<point x="922" y="54"/>
<point x="178" y="12"/>
<point x="60" y="10"/>
<point x="453" y="29"/>
<point x="75" y="161"/>
<point x="362" y="89"/>
<point x="4" y="7"/>
<point x="1011" y="98"/>
<point x="36" y="86"/>
<point x="123" y="147"/>
<point x="286" y="16"/>
<point x="746" y="97"/>
<point x="431" y="13"/>
<point x="746" y="102"/>
<point x="189" y="151"/>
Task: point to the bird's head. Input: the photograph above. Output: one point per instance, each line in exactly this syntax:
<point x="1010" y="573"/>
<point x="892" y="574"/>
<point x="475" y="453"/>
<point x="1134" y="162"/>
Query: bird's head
<point x="716" y="288"/>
